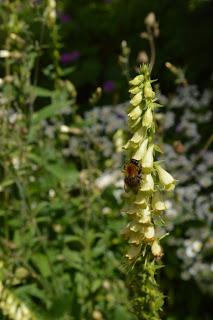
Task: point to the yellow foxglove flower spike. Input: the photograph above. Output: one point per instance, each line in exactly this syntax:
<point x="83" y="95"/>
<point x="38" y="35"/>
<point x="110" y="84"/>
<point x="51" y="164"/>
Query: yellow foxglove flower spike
<point x="144" y="179"/>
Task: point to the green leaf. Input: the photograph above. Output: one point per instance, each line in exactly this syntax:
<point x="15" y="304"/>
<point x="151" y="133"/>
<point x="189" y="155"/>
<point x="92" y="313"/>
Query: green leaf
<point x="41" y="262"/>
<point x="49" y="111"/>
<point x="29" y="290"/>
<point x="65" y="72"/>
<point x="73" y="258"/>
<point x="43" y="92"/>
<point x="68" y="174"/>
<point x="158" y="148"/>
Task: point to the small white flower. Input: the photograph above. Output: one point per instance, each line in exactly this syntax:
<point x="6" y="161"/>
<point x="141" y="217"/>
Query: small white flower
<point x="16" y="163"/>
<point x="106" y="179"/>
<point x="4" y="54"/>
<point x="64" y="129"/>
<point x="197" y="245"/>
<point x="51" y="193"/>
<point x="205" y="181"/>
<point x="150" y="19"/>
<point x="97" y="315"/>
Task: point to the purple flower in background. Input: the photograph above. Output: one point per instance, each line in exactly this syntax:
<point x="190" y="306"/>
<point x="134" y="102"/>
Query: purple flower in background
<point x="109" y="86"/>
<point x="68" y="57"/>
<point x="64" y="17"/>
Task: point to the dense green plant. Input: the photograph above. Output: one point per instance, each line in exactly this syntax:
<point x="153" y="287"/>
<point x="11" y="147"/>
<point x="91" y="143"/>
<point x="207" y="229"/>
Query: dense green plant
<point x="59" y="254"/>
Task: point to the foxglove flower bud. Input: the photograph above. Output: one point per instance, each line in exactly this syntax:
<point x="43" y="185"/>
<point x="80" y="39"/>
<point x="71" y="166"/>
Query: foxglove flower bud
<point x="136" y="100"/>
<point x="156" y="249"/>
<point x="137" y="80"/>
<point x="150" y="19"/>
<point x="135" y="90"/>
<point x="148" y="92"/>
<point x="135" y="113"/>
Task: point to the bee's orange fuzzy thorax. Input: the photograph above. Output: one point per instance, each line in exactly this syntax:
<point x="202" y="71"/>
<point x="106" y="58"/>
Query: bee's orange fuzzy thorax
<point x="131" y="170"/>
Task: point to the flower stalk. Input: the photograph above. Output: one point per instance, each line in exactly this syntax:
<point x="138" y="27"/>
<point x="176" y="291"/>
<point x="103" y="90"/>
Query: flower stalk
<point x="144" y="204"/>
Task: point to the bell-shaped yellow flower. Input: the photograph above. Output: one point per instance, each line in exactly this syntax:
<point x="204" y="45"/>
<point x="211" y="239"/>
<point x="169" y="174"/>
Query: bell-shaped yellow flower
<point x="141" y="200"/>
<point x="140" y="153"/>
<point x="135" y="90"/>
<point x="135" y="113"/>
<point x="148" y="92"/>
<point x="148" y="160"/>
<point x="166" y="179"/>
<point x="137" y="80"/>
<point x="156" y="249"/>
<point x="148" y="118"/>
<point x="144" y="216"/>
<point x="133" y="251"/>
<point x="147" y="184"/>
<point x="149" y="233"/>
<point x="138" y="136"/>
<point x="157" y="202"/>
<point x="136" y="100"/>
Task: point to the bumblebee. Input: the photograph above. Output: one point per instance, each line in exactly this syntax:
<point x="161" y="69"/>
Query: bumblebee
<point x="133" y="174"/>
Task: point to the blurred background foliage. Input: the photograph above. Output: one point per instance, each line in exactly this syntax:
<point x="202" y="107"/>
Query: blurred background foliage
<point x="63" y="96"/>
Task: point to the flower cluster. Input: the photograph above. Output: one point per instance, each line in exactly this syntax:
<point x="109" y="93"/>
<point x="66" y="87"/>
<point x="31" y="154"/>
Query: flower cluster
<point x="12" y="307"/>
<point x="145" y="204"/>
